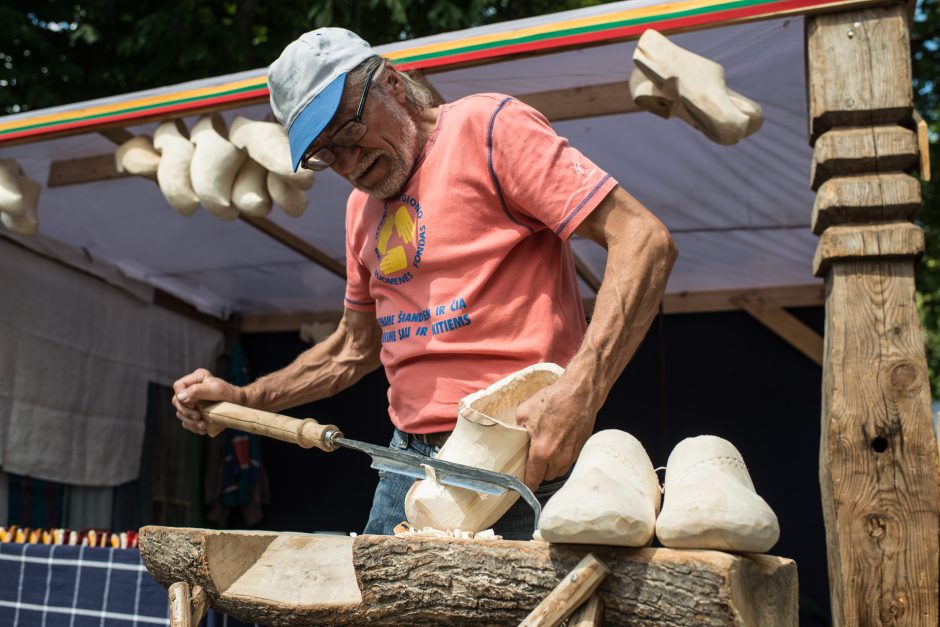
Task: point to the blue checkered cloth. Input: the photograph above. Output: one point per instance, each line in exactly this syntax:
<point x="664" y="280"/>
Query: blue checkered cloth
<point x="74" y="586"/>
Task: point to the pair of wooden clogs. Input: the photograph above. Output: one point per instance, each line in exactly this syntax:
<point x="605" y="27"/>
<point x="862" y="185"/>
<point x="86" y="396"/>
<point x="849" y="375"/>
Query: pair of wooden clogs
<point x="670" y="81"/>
<point x="613" y="493"/>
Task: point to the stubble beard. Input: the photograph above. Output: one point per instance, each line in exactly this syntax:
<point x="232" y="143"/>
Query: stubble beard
<point x="400" y="162"/>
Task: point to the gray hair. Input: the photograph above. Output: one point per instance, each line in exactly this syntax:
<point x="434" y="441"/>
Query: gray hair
<point x="417" y="94"/>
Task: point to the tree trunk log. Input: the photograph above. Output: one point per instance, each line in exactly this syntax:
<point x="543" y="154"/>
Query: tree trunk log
<point x="300" y="579"/>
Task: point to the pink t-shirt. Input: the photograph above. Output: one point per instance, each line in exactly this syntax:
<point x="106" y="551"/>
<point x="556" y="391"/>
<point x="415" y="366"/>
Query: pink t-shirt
<point x="469" y="271"/>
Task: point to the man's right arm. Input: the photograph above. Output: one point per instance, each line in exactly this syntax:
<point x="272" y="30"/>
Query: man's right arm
<point x="343" y="358"/>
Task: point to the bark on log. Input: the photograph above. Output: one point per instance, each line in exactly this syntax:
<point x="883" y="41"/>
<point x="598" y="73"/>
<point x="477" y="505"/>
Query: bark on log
<point x="301" y="579"/>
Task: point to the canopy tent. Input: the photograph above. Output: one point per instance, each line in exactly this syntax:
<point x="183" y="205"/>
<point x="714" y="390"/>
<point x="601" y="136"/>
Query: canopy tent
<point x="740" y="215"/>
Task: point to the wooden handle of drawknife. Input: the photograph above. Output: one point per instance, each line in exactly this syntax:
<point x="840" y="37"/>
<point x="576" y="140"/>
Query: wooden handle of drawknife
<point x="306" y="433"/>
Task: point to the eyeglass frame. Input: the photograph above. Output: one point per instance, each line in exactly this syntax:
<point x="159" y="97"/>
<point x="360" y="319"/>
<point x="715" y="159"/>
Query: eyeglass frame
<point x="307" y="156"/>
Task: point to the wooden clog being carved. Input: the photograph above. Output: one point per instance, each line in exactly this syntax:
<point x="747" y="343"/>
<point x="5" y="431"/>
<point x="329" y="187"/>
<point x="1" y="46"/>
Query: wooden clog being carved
<point x="612" y="496"/>
<point x="710" y="501"/>
<point x="288" y="197"/>
<point x="267" y="143"/>
<point x="137" y="156"/>
<point x="675" y="82"/>
<point x="27" y="221"/>
<point x="176" y="156"/>
<point x="250" y="191"/>
<point x="486" y="436"/>
<point x="214" y="166"/>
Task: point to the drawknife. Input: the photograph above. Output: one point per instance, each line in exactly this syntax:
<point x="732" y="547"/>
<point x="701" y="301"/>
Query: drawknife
<point x="308" y="433"/>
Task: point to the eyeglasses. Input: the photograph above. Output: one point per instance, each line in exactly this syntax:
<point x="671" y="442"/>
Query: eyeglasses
<point x="348" y="135"/>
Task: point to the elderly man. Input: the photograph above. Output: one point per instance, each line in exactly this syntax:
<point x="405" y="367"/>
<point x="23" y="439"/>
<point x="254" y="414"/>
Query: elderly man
<point x="459" y="269"/>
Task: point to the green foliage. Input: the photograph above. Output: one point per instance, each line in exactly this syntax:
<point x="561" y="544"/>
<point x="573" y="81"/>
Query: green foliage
<point x="54" y="52"/>
<point x="925" y="53"/>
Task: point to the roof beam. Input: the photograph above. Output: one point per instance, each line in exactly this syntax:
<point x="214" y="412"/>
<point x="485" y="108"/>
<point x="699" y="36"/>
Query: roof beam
<point x="285" y="237"/>
<point x="83" y="170"/>
<point x="582" y="102"/>
<point x="784" y="324"/>
<point x="811" y="295"/>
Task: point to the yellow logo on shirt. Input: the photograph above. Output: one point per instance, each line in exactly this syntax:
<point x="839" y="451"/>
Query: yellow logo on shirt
<point x="399" y="241"/>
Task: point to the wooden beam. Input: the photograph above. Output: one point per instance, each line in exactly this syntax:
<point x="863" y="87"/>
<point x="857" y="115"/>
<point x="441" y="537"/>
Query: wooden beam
<point x="867" y="241"/>
<point x="282" y="235"/>
<point x="83" y="170"/>
<point x="117" y="135"/>
<point x="587" y="275"/>
<point x="878" y="460"/>
<point x="582" y="102"/>
<point x="304" y="579"/>
<point x="862" y="150"/>
<point x="923" y="145"/>
<point x="784" y="324"/>
<point x="865" y="198"/>
<point x="860" y="69"/>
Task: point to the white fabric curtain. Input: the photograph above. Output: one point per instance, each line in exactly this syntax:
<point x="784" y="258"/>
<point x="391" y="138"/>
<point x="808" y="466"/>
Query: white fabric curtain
<point x="76" y="354"/>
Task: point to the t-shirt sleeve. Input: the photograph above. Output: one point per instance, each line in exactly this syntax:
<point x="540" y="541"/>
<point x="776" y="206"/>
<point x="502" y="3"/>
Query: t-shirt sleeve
<point x="358" y="296"/>
<point x="538" y="174"/>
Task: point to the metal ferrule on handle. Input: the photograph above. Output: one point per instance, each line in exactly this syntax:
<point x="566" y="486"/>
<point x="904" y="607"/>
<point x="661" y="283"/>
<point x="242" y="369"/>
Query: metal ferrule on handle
<point x="306" y="433"/>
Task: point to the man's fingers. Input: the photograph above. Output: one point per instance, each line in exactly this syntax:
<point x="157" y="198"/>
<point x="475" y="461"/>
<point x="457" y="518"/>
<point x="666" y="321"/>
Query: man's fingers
<point x="534" y="471"/>
<point x="197" y="376"/>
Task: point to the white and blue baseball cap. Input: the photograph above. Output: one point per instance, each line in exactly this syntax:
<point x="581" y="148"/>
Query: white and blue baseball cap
<point x="306" y="82"/>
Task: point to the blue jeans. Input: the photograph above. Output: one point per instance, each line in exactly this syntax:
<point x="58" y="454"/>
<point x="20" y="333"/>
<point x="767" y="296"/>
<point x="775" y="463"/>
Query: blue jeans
<point x="388" y="505"/>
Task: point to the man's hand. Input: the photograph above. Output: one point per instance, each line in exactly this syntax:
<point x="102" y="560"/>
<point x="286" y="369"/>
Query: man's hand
<point x="201" y="386"/>
<point x="559" y="422"/>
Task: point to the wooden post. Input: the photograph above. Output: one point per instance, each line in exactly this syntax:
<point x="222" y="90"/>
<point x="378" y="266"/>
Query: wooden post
<point x="878" y="460"/>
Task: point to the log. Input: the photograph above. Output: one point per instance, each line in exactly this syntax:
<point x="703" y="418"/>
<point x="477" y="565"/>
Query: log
<point x="864" y="150"/>
<point x="859" y="69"/>
<point x="868" y="198"/>
<point x="302" y="579"/>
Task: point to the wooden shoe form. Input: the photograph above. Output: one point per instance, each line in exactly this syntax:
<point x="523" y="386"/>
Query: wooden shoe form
<point x="250" y="191"/>
<point x="288" y="197"/>
<point x="176" y="156"/>
<point x="612" y="496"/>
<point x="486" y="436"/>
<point x="137" y="156"/>
<point x="699" y="84"/>
<point x="215" y="163"/>
<point x="267" y="143"/>
<point x="26" y="222"/>
<point x="710" y="501"/>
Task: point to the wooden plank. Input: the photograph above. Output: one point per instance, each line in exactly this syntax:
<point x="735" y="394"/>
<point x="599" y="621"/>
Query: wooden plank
<point x="591" y="614"/>
<point x="889" y="240"/>
<point x="862" y="150"/>
<point x="582" y="102"/>
<point x="923" y="145"/>
<point x="587" y="275"/>
<point x="878" y="456"/>
<point x="296" y="578"/>
<point x="574" y="589"/>
<point x="786" y="325"/>
<point x="83" y="170"/>
<point x="282" y="235"/>
<point x="811" y="295"/>
<point x="858" y="69"/>
<point x="117" y="135"/>
<point x="867" y="198"/>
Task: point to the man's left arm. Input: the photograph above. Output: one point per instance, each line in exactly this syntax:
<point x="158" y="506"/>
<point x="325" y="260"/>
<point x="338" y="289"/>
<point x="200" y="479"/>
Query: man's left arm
<point x="640" y="255"/>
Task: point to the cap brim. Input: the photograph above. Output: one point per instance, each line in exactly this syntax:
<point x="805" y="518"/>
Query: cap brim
<point x="314" y="118"/>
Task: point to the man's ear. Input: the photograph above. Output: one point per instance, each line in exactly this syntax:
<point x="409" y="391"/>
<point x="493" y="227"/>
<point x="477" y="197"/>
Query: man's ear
<point x="396" y="86"/>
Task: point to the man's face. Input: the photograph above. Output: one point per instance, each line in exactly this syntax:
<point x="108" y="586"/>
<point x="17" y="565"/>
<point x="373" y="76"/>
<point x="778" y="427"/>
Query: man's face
<point x="380" y="163"/>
